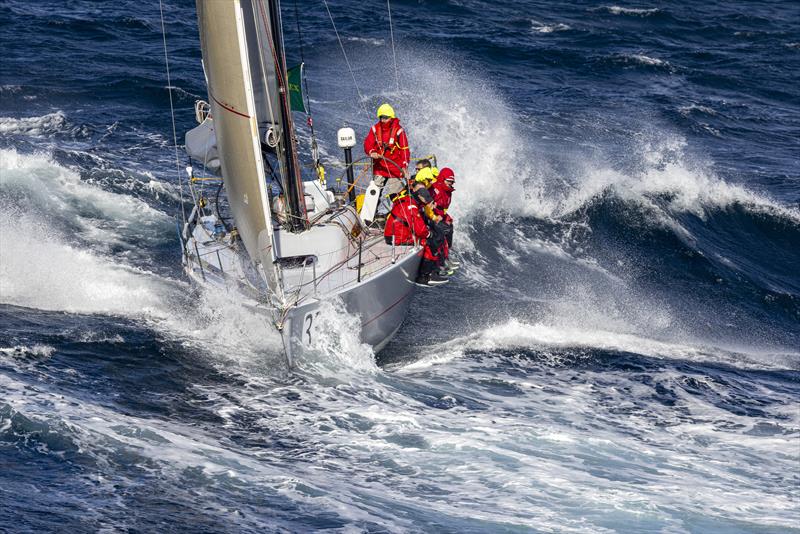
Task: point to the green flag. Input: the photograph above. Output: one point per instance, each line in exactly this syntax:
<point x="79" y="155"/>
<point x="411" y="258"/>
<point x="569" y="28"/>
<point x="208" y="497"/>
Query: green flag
<point x="295" y="75"/>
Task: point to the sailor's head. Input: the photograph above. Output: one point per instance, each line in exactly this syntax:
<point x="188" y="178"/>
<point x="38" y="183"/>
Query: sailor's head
<point x="425" y="177"/>
<point x="385" y="113"/>
<point x="423" y="163"/>
<point x="447" y="176"/>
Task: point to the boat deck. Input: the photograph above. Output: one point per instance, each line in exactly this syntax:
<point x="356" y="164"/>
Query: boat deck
<point x="376" y="255"/>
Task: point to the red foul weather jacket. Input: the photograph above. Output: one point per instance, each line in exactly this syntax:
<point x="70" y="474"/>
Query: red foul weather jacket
<point x="390" y="141"/>
<point x="405" y="222"/>
<point x="442" y="196"/>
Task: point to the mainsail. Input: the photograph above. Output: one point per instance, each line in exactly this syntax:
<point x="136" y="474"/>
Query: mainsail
<point x="243" y="60"/>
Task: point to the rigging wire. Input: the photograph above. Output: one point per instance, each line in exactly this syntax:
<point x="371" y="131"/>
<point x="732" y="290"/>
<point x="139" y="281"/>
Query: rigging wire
<point x="172" y="111"/>
<point x="302" y="56"/>
<point x="341" y="45"/>
<point x="394" y="53"/>
<point x="309" y="120"/>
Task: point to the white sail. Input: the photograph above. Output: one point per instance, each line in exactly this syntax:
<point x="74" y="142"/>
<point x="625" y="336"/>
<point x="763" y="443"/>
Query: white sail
<point x="230" y="89"/>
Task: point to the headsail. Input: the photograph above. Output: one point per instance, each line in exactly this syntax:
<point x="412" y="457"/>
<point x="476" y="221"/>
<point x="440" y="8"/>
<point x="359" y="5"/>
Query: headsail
<point x="222" y="39"/>
<point x="242" y="49"/>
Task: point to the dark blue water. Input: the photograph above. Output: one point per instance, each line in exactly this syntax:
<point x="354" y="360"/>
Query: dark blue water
<point x="618" y="353"/>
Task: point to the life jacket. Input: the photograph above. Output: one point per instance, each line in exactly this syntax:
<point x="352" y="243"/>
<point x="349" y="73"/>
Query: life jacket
<point x="394" y="132"/>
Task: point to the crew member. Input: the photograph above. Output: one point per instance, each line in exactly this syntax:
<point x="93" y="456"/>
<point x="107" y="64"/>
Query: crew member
<point x="442" y="193"/>
<point x="423" y="163"/>
<point x="437" y="251"/>
<point x="425" y="178"/>
<point x="405" y="226"/>
<point x="387" y="145"/>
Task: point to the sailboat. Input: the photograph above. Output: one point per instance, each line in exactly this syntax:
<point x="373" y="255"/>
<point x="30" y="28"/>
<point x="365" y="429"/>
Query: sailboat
<point x="285" y="244"/>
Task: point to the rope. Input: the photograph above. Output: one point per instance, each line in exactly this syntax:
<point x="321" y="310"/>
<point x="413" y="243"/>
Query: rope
<point x="341" y="45"/>
<point x="394" y="54"/>
<point x="172" y="111"/>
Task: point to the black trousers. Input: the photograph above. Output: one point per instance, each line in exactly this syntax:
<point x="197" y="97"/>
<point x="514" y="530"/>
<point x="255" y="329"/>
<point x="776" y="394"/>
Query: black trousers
<point x="427" y="267"/>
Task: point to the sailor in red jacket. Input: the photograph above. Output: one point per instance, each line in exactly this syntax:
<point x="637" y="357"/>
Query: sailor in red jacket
<point x="406" y="226"/>
<point x="387" y="141"/>
<point x="404" y="223"/>
<point x="442" y="192"/>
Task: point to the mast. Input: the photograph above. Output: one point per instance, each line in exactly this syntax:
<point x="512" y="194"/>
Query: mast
<point x="295" y="192"/>
<point x="269" y="79"/>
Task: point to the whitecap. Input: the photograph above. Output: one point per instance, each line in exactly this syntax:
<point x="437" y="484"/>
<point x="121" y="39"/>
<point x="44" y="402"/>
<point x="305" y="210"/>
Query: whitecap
<point x="366" y="40"/>
<point x="33" y="126"/>
<point x="541" y="27"/>
<point x="518" y="334"/>
<point x="639" y="12"/>
<point x="647" y="60"/>
<point x="40" y="185"/>
<point x="38" y="350"/>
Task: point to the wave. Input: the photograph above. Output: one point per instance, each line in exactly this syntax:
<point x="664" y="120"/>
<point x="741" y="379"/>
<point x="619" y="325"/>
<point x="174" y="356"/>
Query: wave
<point x="33" y="126"/>
<point x="515" y="334"/>
<point x="39" y="270"/>
<point x="366" y="40"/>
<point x="646" y="60"/>
<point x="631" y="11"/>
<point x="692" y="109"/>
<point x="36" y="184"/>
<point x="63" y="238"/>
<point x="10" y="89"/>
<point x="69" y="245"/>
<point x="541" y="27"/>
<point x="37" y="350"/>
<point x="500" y="174"/>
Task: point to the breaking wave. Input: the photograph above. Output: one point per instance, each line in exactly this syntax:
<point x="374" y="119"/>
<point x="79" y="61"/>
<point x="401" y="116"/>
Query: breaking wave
<point x="498" y="174"/>
<point x="33" y="126"/>
<point x="542" y="27"/>
<point x="647" y="60"/>
<point x="631" y="11"/>
<point x="515" y="335"/>
<point x="38" y="269"/>
<point x="36" y="185"/>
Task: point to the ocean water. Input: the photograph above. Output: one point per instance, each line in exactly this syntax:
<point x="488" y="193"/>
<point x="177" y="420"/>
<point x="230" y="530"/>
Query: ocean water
<point x="620" y="351"/>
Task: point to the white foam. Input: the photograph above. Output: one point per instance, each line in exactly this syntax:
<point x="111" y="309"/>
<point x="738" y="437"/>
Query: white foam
<point x="541" y="27"/>
<point x="499" y="174"/>
<point x="667" y="172"/>
<point x="105" y="219"/>
<point x="641" y="12"/>
<point x="647" y="60"/>
<point x="39" y="270"/>
<point x="33" y="126"/>
<point x="367" y="40"/>
<point x="472" y="130"/>
<point x="226" y="325"/>
<point x="337" y="349"/>
<point x="516" y="334"/>
<point x="44" y="266"/>
<point x="38" y="350"/>
<point x="692" y="108"/>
